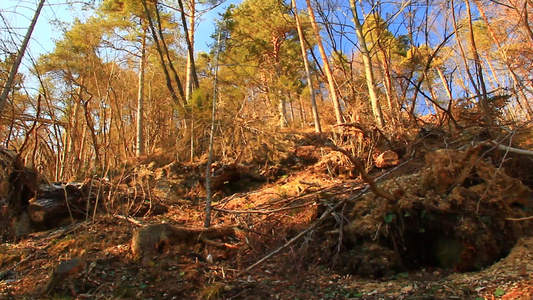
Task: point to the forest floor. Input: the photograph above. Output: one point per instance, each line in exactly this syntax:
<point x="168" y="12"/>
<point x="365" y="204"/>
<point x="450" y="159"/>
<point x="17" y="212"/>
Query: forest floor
<point x="430" y="244"/>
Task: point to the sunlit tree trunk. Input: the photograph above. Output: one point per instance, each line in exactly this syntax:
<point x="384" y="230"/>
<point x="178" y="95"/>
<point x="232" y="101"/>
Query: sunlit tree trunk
<point x="316" y="117"/>
<point x="190" y="33"/>
<point x="483" y="100"/>
<point x="140" y="99"/>
<point x="209" y="193"/>
<point x="444" y="83"/>
<point x="69" y="137"/>
<point x="392" y="103"/>
<point x="327" y="69"/>
<point x="282" y="111"/>
<point x="367" y="62"/>
<point x="162" y="50"/>
<point x="190" y="45"/>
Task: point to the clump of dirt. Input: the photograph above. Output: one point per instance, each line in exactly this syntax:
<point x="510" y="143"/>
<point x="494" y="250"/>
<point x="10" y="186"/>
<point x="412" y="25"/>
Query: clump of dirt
<point x="456" y="213"/>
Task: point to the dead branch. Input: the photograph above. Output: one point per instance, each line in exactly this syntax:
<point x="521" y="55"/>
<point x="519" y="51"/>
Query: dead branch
<point x="507" y="148"/>
<point x="313" y="184"/>
<point x="252" y="211"/>
<point x="217" y="244"/>
<point x="364" y="175"/>
<point x="129" y="219"/>
<point x="520" y="219"/>
<point x="316" y="223"/>
<point x="303" y="233"/>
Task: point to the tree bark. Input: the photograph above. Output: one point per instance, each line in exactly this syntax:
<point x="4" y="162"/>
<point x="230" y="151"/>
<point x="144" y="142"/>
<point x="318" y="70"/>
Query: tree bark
<point x="316" y="116"/>
<point x="367" y="61"/>
<point x="190" y="46"/>
<point x="483" y="99"/>
<point x="208" y="190"/>
<point x="327" y="69"/>
<point x="190" y="33"/>
<point x="282" y="111"/>
<point x="140" y="99"/>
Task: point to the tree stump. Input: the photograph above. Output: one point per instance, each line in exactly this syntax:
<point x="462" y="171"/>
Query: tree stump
<point x="153" y="239"/>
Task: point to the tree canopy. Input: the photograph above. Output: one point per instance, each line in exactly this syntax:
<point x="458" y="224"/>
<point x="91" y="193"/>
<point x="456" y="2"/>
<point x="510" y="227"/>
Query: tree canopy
<point x="129" y="61"/>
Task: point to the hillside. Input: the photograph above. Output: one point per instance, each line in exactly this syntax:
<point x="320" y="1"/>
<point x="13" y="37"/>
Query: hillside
<point x="451" y="221"/>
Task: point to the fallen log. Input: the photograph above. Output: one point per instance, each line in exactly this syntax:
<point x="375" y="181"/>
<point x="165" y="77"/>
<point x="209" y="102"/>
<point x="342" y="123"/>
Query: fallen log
<point x="233" y="177"/>
<point x="54" y="203"/>
<point x="154" y="239"/>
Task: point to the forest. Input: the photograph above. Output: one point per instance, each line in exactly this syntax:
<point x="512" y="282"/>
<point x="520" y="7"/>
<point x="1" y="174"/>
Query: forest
<point x="317" y="149"/>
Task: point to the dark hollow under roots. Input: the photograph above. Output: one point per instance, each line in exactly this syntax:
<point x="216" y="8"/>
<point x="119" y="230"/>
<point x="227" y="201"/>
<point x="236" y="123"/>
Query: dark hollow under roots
<point x="428" y="240"/>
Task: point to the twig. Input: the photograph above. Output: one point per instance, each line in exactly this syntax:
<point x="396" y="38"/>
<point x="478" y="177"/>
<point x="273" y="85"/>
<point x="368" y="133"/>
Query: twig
<point x="217" y="244"/>
<point x="520" y="219"/>
<point x="253" y="211"/>
<point x="316" y="223"/>
<point x="129" y="219"/>
<point x="309" y="183"/>
<point x="301" y="234"/>
<point x="225" y="201"/>
<point x="507" y="148"/>
<point x="15" y="266"/>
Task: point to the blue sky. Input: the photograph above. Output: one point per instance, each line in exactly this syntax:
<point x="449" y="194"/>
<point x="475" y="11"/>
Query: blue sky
<point x="17" y="15"/>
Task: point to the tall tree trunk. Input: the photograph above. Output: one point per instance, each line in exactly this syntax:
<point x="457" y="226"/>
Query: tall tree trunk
<point x="327" y="69"/>
<point x="139" y="150"/>
<point x="209" y="193"/>
<point x="282" y="111"/>
<point x="392" y="103"/>
<point x="316" y="116"/>
<point x="483" y="100"/>
<point x="190" y="33"/>
<point x="162" y="50"/>
<point x="70" y="135"/>
<point x="302" y="113"/>
<point x="190" y="45"/>
<point x="367" y="61"/>
<point x="14" y="69"/>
